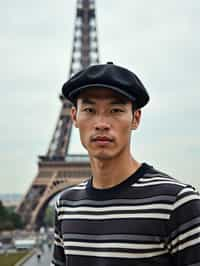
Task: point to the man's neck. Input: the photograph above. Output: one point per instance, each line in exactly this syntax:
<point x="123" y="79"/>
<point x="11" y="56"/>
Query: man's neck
<point x="109" y="173"/>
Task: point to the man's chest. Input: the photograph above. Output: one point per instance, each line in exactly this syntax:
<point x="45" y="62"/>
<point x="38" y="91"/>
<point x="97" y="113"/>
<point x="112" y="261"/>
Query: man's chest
<point x="114" y="235"/>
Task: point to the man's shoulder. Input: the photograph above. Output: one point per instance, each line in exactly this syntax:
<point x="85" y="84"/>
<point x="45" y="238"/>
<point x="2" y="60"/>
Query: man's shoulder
<point x="72" y="192"/>
<point x="161" y="181"/>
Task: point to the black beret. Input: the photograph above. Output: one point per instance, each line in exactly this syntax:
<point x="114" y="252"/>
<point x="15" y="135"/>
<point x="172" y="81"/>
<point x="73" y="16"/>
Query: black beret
<point x="107" y="76"/>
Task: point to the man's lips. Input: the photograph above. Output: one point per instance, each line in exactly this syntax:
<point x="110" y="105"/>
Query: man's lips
<point x="102" y="139"/>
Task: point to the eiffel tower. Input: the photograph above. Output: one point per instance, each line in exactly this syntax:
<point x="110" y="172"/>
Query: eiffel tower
<point x="58" y="169"/>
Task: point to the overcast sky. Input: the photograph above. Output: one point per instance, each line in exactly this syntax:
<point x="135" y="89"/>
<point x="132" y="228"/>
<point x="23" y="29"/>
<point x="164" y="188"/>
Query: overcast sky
<point x="159" y="40"/>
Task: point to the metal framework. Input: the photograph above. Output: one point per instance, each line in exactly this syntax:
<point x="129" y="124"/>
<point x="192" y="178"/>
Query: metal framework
<point x="58" y="169"/>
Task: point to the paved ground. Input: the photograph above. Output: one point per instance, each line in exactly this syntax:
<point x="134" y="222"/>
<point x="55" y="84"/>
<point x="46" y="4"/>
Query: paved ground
<point x="44" y="260"/>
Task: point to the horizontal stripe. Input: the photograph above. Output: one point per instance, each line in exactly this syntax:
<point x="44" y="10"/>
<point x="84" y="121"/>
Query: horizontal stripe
<point x="144" y="180"/>
<point x="186" y="200"/>
<point x="114" y="254"/>
<point x="113" y="245"/>
<point x="157" y="174"/>
<point x="154" y="227"/>
<point x="185" y="190"/>
<point x="109" y="237"/>
<point x="186" y="226"/>
<point x="114" y="216"/>
<point x="77" y="188"/>
<point x="116" y="208"/>
<point x="149" y="200"/>
<point x="84" y="182"/>
<point x="186" y="245"/>
<point x="185" y="235"/>
<point x="157" y="183"/>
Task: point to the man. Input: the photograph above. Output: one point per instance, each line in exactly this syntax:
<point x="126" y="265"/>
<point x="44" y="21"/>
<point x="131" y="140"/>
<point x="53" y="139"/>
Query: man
<point x="127" y="213"/>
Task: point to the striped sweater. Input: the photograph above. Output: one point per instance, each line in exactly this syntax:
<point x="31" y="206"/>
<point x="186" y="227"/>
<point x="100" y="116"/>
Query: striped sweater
<point x="149" y="219"/>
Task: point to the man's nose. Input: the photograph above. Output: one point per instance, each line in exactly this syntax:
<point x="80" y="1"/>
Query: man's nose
<point x="102" y="124"/>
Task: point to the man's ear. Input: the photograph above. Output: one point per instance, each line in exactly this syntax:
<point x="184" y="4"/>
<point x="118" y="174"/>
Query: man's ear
<point x="136" y="119"/>
<point x="74" y="116"/>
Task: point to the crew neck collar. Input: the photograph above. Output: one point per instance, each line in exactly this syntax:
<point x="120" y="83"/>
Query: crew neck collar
<point x="128" y="181"/>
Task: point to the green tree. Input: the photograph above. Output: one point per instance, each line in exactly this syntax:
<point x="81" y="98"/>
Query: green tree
<point x="49" y="216"/>
<point x="9" y="219"/>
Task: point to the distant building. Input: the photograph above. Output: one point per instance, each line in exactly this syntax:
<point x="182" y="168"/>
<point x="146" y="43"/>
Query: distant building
<point x="24" y="243"/>
<point x="10" y="200"/>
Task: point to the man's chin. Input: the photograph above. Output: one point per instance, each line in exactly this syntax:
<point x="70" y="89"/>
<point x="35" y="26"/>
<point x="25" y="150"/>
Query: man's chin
<point x="102" y="156"/>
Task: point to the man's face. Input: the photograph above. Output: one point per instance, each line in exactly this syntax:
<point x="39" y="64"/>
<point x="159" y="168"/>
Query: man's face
<point x="105" y="120"/>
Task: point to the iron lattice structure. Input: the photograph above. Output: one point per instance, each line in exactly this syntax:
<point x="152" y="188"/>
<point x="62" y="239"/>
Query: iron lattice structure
<point x="58" y="169"/>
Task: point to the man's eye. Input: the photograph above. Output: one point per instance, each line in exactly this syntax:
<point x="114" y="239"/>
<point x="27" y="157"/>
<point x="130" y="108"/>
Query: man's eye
<point x="88" y="110"/>
<point x="116" y="110"/>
